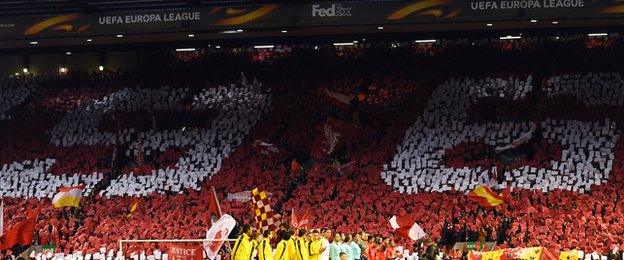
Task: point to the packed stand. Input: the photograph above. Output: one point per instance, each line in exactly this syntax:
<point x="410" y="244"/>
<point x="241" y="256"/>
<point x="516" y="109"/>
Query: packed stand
<point x="355" y="165"/>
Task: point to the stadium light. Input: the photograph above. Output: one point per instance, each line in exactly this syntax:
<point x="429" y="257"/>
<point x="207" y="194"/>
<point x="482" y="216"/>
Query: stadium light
<point x="89" y="40"/>
<point x="509" y="37"/>
<point x="119" y="35"/>
<point x="264" y="46"/>
<point x="185" y="49"/>
<point x="101" y="68"/>
<point x="426" y="41"/>
<point x="533" y="21"/>
<point x="231" y="31"/>
<point x="489" y="24"/>
<point x="597" y="34"/>
<point x="191" y="35"/>
<point x="284" y="31"/>
<point x="343" y="43"/>
<point x="34" y="42"/>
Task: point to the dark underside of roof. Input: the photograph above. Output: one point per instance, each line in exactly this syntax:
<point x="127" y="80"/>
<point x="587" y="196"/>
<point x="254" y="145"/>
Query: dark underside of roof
<point x="48" y="7"/>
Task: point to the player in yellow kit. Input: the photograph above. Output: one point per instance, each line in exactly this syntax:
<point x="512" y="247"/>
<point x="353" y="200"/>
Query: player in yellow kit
<point x="290" y="246"/>
<point x="265" y="252"/>
<point x="315" y="245"/>
<point x="303" y="252"/>
<point x="244" y="246"/>
<point x="282" y="252"/>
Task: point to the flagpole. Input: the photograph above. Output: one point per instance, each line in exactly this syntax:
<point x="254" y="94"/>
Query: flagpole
<point x="1" y="216"/>
<point x="214" y="193"/>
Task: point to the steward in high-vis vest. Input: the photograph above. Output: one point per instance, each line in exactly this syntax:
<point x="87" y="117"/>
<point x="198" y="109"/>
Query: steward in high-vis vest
<point x="243" y="248"/>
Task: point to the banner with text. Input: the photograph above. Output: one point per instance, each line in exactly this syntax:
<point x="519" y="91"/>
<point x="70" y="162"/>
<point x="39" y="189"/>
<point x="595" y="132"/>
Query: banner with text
<point x="179" y="252"/>
<point x="304" y="15"/>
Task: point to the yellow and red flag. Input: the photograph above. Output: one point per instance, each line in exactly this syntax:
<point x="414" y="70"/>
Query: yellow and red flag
<point x="265" y="217"/>
<point x="133" y="207"/>
<point x="68" y="197"/>
<point x="485" y="197"/>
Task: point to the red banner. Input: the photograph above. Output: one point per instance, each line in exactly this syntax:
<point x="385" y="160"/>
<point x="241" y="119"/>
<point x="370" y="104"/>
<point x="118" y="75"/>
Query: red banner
<point x="178" y="252"/>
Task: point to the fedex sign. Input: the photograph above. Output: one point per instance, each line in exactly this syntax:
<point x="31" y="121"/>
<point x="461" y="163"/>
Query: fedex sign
<point x="334" y="10"/>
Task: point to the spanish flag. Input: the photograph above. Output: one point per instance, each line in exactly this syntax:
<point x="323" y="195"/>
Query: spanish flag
<point x="68" y="197"/>
<point x="485" y="197"/>
<point x="133" y="207"/>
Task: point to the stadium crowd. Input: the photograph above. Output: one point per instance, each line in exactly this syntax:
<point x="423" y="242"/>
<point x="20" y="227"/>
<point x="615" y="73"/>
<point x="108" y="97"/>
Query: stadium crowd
<point x="407" y="141"/>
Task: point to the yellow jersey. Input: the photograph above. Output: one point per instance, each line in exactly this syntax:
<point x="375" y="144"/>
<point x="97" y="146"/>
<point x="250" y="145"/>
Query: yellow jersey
<point x="265" y="252"/>
<point x="281" y="252"/>
<point x="315" y="249"/>
<point x="243" y="248"/>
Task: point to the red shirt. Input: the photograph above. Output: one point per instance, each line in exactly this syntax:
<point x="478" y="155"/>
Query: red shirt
<point x="379" y="255"/>
<point x="390" y="252"/>
<point x="366" y="251"/>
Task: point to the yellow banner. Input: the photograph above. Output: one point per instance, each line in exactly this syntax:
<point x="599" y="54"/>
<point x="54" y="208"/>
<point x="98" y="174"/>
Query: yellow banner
<point x="568" y="255"/>
<point x="529" y="253"/>
<point x="488" y="255"/>
<point x="526" y="253"/>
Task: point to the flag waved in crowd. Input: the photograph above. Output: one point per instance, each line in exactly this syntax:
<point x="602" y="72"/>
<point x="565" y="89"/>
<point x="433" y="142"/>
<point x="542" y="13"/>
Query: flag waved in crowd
<point x="299" y="222"/>
<point x="68" y="197"/>
<point x="266" y="218"/>
<point x="133" y="207"/>
<point x="522" y="139"/>
<point x="407" y="227"/>
<point x="485" y="197"/>
<point x="337" y="99"/>
<point x="219" y="230"/>
<point x="21" y="233"/>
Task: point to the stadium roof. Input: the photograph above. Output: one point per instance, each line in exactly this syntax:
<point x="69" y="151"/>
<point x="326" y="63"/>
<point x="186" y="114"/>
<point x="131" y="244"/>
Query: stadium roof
<point x="57" y="23"/>
<point x="47" y="7"/>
